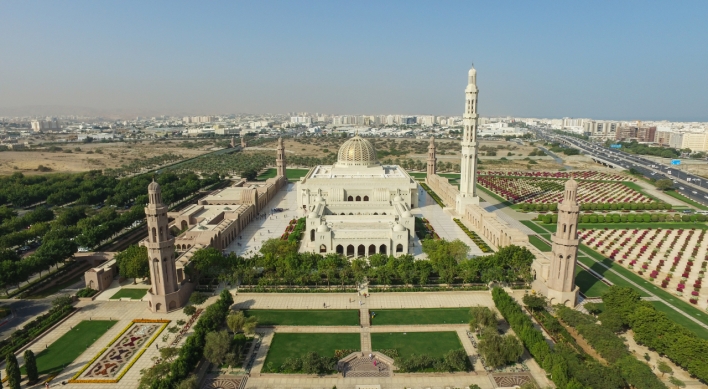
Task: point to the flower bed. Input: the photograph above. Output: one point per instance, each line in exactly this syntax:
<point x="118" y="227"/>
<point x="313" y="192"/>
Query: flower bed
<point x="475" y="238"/>
<point x="550" y="190"/>
<point x="675" y="259"/>
<point x="433" y="195"/>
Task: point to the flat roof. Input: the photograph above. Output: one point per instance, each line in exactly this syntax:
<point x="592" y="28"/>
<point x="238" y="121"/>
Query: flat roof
<point x="381" y="171"/>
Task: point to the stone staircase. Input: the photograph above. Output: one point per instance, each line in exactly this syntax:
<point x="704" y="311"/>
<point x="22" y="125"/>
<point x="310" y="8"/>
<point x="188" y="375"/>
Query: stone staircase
<point x="365" y="334"/>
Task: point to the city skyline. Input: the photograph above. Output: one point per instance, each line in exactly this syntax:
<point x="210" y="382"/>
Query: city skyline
<point x="617" y="62"/>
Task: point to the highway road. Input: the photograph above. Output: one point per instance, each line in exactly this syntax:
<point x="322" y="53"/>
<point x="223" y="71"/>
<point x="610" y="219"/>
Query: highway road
<point x="689" y="185"/>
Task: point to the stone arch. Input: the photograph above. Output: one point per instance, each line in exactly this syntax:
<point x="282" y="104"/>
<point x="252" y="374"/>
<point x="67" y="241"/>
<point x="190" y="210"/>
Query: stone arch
<point x="376" y="213"/>
<point x="323" y="248"/>
<point x="351" y="213"/>
<point x="350" y="198"/>
<point x="372" y="249"/>
<point x="382" y="249"/>
<point x="173" y="305"/>
<point x="158" y="307"/>
<point x="399" y="248"/>
<point x="366" y="198"/>
<point x="383" y="213"/>
<point x="350" y="250"/>
<point x="342" y="213"/>
<point x="340" y="249"/>
<point x="358" y="198"/>
<point x="312" y="235"/>
<point x="184" y="224"/>
<point x="361" y="250"/>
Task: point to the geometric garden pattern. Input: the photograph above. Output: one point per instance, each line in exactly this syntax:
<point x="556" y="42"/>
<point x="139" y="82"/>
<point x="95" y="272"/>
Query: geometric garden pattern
<point x="129" y="343"/>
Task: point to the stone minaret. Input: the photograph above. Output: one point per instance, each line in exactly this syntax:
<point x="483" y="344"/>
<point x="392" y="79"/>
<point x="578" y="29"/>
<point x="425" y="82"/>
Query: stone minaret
<point x="432" y="160"/>
<point x="161" y="251"/>
<point x="280" y="158"/>
<point x="561" y="277"/>
<point x="233" y="142"/>
<point x="468" y="162"/>
<point x="243" y="142"/>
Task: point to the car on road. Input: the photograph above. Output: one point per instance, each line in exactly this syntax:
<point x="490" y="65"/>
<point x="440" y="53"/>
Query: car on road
<point x="694" y="192"/>
<point x="687" y="211"/>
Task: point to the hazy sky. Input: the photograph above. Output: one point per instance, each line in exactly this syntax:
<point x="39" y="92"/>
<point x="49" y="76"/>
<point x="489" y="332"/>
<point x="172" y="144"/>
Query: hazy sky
<point x="615" y="60"/>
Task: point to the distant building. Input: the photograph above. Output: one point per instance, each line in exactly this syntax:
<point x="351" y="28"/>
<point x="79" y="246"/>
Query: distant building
<point x="633" y="133"/>
<point x="301" y="120"/>
<point x="45" y="125"/>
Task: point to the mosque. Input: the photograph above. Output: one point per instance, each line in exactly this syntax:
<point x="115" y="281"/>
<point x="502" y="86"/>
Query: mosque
<point x="358" y="207"/>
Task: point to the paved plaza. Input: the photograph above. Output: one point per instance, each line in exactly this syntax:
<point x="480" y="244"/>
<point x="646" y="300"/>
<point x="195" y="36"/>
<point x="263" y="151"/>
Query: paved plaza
<point x="270" y="227"/>
<point x="442" y="222"/>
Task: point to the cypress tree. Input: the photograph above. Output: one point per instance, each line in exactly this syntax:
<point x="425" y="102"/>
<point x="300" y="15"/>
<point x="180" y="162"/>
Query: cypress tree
<point x="31" y="366"/>
<point x="13" y="372"/>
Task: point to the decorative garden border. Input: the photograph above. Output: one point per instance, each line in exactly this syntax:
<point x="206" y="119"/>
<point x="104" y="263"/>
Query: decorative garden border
<point x="75" y="380"/>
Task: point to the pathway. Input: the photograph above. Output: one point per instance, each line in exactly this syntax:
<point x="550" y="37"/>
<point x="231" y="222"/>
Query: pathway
<point x="272" y="227"/>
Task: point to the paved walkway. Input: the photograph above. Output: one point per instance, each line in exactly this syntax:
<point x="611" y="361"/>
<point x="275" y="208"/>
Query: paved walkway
<point x="271" y="227"/>
<point x="442" y="223"/>
<point x="244" y="300"/>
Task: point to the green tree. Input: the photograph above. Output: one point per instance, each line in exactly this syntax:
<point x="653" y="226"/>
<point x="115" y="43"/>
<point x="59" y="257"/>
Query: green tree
<point x="249" y="327"/>
<point x="216" y="346"/>
<point x="677" y="382"/>
<point x="482" y="317"/>
<point x="189" y="310"/>
<point x="499" y="350"/>
<point x="133" y="262"/>
<point x="153" y="375"/>
<point x="188" y="383"/>
<point x="12" y="369"/>
<point x="31" y="367"/>
<point x="665" y="368"/>
<point x="235" y="321"/>
<point x="535" y="302"/>
<point x="664" y="184"/>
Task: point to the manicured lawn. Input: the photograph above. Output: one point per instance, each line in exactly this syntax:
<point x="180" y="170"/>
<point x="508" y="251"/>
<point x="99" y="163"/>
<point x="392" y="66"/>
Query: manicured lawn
<point x="685" y="199"/>
<point x="534" y="227"/>
<point x="421" y="316"/>
<point x="133" y="293"/>
<point x="539" y="227"/>
<point x="72" y="344"/>
<point x="539" y="244"/>
<point x="287" y="345"/>
<point x="292" y="174"/>
<point x="312" y="317"/>
<point x="435" y="344"/>
<point x="638" y="188"/>
<point x="589" y="285"/>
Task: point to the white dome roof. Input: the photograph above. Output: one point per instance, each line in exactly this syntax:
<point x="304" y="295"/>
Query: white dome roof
<point x="323" y="228"/>
<point x="357" y="151"/>
<point x="407" y="214"/>
<point x="399" y="228"/>
<point x="398" y="198"/>
<point x="313" y="215"/>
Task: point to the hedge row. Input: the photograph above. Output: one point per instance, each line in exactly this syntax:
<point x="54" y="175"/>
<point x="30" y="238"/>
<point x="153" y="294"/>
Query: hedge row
<point x="34" y="328"/>
<point x="433" y="195"/>
<point x="553" y="207"/>
<point x="656" y="331"/>
<point x="567" y="368"/>
<point x="637" y="373"/>
<point x="193" y="349"/>
<point x="631" y="218"/>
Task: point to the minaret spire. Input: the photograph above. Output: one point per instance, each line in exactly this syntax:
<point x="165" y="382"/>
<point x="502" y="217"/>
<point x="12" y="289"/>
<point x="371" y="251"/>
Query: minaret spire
<point x="432" y="160"/>
<point x="468" y="162"/>
<point x="565" y="243"/>
<point x="280" y="158"/>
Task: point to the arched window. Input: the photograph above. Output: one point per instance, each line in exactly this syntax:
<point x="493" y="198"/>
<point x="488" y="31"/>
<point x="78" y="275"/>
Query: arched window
<point x="323" y="248"/>
<point x="350" y="198"/>
<point x="399" y="248"/>
<point x="358" y="198"/>
<point x="376" y="213"/>
<point x="154" y="235"/>
<point x="565" y="228"/>
<point x="382" y="249"/>
<point x="312" y="235"/>
<point x="372" y="249"/>
<point x="366" y="198"/>
<point x="340" y="249"/>
<point x="350" y="250"/>
<point x="383" y="213"/>
<point x="361" y="250"/>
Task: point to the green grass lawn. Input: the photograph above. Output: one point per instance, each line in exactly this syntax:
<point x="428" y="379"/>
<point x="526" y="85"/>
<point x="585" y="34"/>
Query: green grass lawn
<point x="685" y="199"/>
<point x="133" y="293"/>
<point x="312" y="317"/>
<point x="638" y="188"/>
<point x="539" y="244"/>
<point x="435" y="344"/>
<point x="589" y="285"/>
<point x="287" y="345"/>
<point x="72" y="344"/>
<point x="292" y="174"/>
<point x="421" y="316"/>
<point x="534" y="227"/>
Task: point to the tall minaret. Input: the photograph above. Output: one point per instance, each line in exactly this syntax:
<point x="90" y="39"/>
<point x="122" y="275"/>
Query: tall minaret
<point x="432" y="160"/>
<point x="280" y="158"/>
<point x="468" y="162"/>
<point x="161" y="251"/>
<point x="561" y="279"/>
<point x="233" y="142"/>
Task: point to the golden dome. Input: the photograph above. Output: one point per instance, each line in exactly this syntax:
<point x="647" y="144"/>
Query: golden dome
<point x="357" y="151"/>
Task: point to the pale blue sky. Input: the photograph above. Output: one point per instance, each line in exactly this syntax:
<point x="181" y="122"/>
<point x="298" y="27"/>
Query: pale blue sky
<point x="615" y="60"/>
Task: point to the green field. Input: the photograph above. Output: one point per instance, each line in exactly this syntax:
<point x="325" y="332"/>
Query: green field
<point x="313" y="317"/>
<point x="133" y="293"/>
<point x="589" y="285"/>
<point x="288" y="345"/>
<point x="539" y="243"/>
<point x="292" y="174"/>
<point x="72" y="344"/>
<point x="420" y="316"/>
<point x="434" y="344"/>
